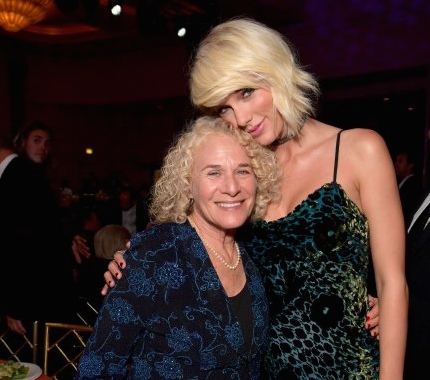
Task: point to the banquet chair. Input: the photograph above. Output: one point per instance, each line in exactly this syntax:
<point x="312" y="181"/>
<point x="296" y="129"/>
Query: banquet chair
<point x="63" y="345"/>
<point x="22" y="348"/>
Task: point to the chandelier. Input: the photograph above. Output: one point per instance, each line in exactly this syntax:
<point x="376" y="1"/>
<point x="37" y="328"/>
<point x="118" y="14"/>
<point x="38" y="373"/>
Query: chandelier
<point x="18" y="14"/>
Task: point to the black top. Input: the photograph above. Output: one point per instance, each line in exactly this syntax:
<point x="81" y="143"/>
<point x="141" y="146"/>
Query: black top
<point x="241" y="306"/>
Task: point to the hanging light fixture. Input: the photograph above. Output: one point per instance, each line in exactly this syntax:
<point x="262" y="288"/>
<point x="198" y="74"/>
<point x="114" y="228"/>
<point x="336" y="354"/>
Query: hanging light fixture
<point x="17" y="14"/>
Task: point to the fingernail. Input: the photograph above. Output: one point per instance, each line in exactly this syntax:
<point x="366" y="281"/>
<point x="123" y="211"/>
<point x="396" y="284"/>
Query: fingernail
<point x="367" y="317"/>
<point x="110" y="283"/>
<point x="121" y="265"/>
<point x="368" y="326"/>
<point x="116" y="275"/>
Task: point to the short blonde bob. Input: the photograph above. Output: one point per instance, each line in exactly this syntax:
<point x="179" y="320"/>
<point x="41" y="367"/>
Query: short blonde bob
<point x="171" y="193"/>
<point x="243" y="53"/>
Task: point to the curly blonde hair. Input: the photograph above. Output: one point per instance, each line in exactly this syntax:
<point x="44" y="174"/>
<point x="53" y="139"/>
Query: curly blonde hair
<point x="171" y="193"/>
<point x="243" y="53"/>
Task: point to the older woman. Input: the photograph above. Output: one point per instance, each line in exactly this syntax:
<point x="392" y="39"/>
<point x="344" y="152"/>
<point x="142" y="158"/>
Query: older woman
<point x="192" y="304"/>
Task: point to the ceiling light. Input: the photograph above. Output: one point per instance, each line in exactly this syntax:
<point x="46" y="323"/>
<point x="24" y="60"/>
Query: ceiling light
<point x="182" y="32"/>
<point x="18" y="14"/>
<point x="115" y="7"/>
<point x="116" y="10"/>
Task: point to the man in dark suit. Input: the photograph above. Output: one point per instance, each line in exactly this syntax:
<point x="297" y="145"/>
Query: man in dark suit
<point x="35" y="283"/>
<point x="410" y="186"/>
<point x="417" y="364"/>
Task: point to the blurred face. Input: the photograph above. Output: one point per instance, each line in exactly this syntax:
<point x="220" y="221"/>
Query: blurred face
<point x="37" y="146"/>
<point x="252" y="110"/>
<point x="223" y="184"/>
<point x="402" y="167"/>
<point x="125" y="200"/>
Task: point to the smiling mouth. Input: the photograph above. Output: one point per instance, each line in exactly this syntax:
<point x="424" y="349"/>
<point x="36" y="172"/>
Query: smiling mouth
<point x="229" y="205"/>
<point x="255" y="129"/>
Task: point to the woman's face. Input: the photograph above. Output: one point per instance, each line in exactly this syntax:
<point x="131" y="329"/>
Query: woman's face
<point x="252" y="110"/>
<point x="37" y="146"/>
<point x="223" y="184"/>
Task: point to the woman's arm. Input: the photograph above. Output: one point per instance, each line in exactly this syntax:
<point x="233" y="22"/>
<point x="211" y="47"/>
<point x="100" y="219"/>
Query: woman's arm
<point x="380" y="202"/>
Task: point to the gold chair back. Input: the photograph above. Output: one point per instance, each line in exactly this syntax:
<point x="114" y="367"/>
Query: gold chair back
<point x="17" y="347"/>
<point x="63" y="345"/>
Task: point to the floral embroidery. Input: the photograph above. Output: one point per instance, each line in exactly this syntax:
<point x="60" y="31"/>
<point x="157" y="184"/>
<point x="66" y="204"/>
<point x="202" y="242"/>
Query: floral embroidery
<point x="139" y="284"/>
<point x="170" y="318"/>
<point x="179" y="339"/>
<point x="170" y="275"/>
<point x="169" y="368"/>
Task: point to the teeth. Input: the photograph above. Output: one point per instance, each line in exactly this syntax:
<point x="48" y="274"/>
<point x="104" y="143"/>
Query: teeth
<point x="229" y="204"/>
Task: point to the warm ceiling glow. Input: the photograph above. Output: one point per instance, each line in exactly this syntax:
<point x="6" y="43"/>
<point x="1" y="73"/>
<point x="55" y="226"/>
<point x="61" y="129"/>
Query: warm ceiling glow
<point x="17" y="14"/>
<point x="89" y="151"/>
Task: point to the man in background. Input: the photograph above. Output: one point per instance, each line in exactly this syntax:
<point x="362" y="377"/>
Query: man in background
<point x="417" y="364"/>
<point x="410" y="186"/>
<point x="36" y="283"/>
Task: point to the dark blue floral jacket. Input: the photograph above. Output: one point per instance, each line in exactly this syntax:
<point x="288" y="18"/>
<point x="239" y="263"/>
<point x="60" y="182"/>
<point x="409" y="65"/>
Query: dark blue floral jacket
<point x="169" y="317"/>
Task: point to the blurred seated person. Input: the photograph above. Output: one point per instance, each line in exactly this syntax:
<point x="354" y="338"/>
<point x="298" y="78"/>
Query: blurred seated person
<point x="107" y="241"/>
<point x="192" y="305"/>
<point x="68" y="215"/>
<point x="410" y="186"/>
<point x="130" y="211"/>
<point x="88" y="225"/>
<point x="37" y="282"/>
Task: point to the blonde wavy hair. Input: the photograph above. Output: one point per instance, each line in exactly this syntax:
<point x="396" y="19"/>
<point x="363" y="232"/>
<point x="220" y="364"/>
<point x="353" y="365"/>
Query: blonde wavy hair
<point x="243" y="53"/>
<point x="171" y="200"/>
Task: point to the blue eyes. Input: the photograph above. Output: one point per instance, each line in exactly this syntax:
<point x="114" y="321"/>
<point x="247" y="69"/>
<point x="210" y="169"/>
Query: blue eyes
<point x="245" y="92"/>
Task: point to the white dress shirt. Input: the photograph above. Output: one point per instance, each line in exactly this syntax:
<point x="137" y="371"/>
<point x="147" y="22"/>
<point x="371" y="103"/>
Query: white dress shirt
<point x="5" y="162"/>
<point x="423" y="206"/>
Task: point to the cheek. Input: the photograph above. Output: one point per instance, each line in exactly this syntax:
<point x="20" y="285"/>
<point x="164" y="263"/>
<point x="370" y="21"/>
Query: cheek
<point x="201" y="193"/>
<point x="251" y="188"/>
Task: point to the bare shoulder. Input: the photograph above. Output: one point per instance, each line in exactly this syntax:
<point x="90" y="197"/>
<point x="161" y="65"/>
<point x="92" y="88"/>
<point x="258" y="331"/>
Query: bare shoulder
<point x="364" y="142"/>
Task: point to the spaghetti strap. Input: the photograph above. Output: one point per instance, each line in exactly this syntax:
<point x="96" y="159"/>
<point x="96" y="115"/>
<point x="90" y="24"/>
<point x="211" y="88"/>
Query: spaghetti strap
<point x="336" y="157"/>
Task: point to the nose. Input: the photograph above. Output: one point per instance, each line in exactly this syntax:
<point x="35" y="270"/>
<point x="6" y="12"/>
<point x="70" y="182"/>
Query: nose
<point x="243" y="116"/>
<point x="231" y="185"/>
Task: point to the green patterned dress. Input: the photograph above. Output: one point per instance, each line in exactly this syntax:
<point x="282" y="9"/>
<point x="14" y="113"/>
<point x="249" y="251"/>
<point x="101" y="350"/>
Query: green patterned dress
<point x="314" y="264"/>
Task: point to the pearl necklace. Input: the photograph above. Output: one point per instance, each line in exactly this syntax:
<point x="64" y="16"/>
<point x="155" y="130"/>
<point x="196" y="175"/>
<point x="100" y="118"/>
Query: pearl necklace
<point x="215" y="253"/>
